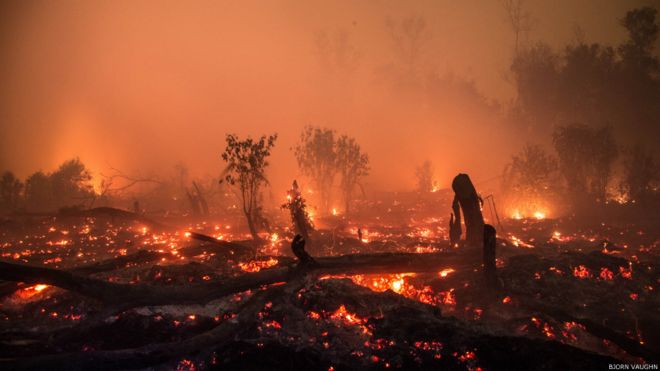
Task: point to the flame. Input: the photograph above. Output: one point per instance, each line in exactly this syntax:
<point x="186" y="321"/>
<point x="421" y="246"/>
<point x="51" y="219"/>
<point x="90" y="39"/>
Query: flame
<point x="40" y="287"/>
<point x="581" y="272"/>
<point x="365" y="236"/>
<point x="532" y="211"/>
<point x="31" y="291"/>
<point x="342" y="314"/>
<point x="257" y="265"/>
<point x="334" y="211"/>
<point x="445" y="272"/>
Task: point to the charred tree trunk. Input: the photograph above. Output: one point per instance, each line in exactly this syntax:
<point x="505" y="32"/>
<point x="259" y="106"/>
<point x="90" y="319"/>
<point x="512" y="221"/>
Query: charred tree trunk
<point x="455" y="229"/>
<point x="133" y="295"/>
<point x="194" y="205"/>
<point x="252" y="227"/>
<point x="490" y="244"/>
<point x="201" y="200"/>
<point x="470" y="204"/>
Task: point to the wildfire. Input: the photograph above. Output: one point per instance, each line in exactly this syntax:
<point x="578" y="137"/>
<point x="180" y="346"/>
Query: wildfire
<point x="581" y="272"/>
<point x="31" y="291"/>
<point x="348" y="318"/>
<point x="445" y="272"/>
<point x="257" y="265"/>
<point x="520" y="243"/>
<point x="538" y="214"/>
<point x="365" y="236"/>
<point x="394" y="282"/>
<point x="342" y="314"/>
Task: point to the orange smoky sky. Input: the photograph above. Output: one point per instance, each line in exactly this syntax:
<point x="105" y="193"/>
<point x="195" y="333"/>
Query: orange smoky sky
<point x="144" y="85"/>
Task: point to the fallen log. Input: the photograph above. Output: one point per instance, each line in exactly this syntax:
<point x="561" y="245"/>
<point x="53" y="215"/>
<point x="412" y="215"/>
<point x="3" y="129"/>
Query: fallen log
<point x="221" y="248"/>
<point x="631" y="346"/>
<point x="201" y="293"/>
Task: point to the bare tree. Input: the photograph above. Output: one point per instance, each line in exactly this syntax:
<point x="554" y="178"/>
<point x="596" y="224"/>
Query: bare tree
<point x="519" y="19"/>
<point x="409" y="37"/>
<point x="352" y="164"/>
<point x="10" y="191"/>
<point x="246" y="165"/>
<point x="641" y="173"/>
<point x="336" y="52"/>
<point x="317" y="158"/>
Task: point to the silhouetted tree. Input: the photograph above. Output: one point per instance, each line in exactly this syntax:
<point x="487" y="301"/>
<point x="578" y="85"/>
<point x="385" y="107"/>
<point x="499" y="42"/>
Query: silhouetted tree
<point x="594" y="83"/>
<point x="336" y="52"/>
<point x="352" y="164"/>
<point x="409" y="37"/>
<point x="316" y="154"/>
<point x="641" y="173"/>
<point x="38" y="192"/>
<point x="246" y="165"/>
<point x="586" y="156"/>
<point x="536" y="76"/>
<point x="71" y="184"/>
<point x="10" y="191"/>
<point x="424" y="174"/>
<point x="637" y="51"/>
<point x="519" y="19"/>
<point x="530" y="176"/>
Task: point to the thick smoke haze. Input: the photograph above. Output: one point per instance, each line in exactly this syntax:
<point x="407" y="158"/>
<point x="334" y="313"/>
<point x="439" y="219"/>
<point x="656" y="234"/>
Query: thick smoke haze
<point x="142" y="85"/>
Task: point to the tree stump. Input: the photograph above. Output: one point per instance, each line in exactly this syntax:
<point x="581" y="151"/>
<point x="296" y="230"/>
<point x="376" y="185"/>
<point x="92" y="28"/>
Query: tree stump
<point x="455" y="229"/>
<point x="470" y="204"/>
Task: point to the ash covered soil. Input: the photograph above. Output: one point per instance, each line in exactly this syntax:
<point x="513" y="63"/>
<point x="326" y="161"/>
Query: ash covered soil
<point x="571" y="295"/>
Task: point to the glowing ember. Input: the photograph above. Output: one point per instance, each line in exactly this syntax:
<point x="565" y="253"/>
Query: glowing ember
<point x="448" y="297"/>
<point x="446" y="272"/>
<point x="394" y="282"/>
<point x="581" y="272"/>
<point x="606" y="274"/>
<point x="40" y="287"/>
<point x="341" y="314"/>
<point x="626" y="273"/>
<point x="29" y="292"/>
<point x="520" y="243"/>
<point x="257" y="265"/>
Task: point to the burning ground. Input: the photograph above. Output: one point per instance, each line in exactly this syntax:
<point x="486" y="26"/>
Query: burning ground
<point x="121" y="291"/>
